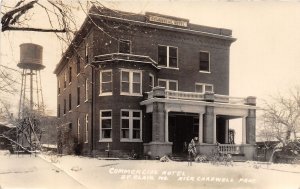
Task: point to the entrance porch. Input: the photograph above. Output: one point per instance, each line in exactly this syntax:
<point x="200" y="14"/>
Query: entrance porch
<point x="176" y="119"/>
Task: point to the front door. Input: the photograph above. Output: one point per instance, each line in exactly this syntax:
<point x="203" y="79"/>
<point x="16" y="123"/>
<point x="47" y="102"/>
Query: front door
<point x="181" y="129"/>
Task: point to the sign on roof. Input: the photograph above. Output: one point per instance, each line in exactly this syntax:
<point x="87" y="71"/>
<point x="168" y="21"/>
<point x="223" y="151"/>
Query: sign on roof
<point x="168" y="20"/>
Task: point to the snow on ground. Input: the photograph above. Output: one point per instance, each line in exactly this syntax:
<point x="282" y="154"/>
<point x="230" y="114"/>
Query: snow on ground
<point x="48" y="171"/>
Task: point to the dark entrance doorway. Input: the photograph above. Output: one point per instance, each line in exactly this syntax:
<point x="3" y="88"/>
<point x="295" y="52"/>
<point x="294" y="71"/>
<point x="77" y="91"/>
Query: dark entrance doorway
<point x="182" y="128"/>
<point x="221" y="130"/>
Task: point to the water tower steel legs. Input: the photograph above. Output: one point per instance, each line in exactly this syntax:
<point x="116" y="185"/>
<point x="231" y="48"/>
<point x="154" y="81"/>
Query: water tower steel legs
<point x="35" y="96"/>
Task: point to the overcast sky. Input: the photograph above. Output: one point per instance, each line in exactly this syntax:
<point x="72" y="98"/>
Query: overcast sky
<point x="265" y="59"/>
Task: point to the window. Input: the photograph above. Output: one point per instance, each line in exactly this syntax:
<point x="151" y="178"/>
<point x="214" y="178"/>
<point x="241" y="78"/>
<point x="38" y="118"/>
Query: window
<point x="58" y="110"/>
<point x="65" y="106"/>
<point x="70" y="126"/>
<point x="131" y="125"/>
<point x="131" y="82"/>
<point x="124" y="46"/>
<point x="202" y="88"/>
<point x="106" y="82"/>
<point x="70" y="74"/>
<point x="78" y="130"/>
<point x="204" y="65"/>
<point x="58" y="87"/>
<point x="151" y="79"/>
<point x="86" y="128"/>
<point x="65" y="80"/>
<point x="86" y="86"/>
<point x="168" y="84"/>
<point x="86" y="52"/>
<point x="167" y="56"/>
<point x="70" y="102"/>
<point x="78" y="64"/>
<point x="78" y="96"/>
<point x="105" y="125"/>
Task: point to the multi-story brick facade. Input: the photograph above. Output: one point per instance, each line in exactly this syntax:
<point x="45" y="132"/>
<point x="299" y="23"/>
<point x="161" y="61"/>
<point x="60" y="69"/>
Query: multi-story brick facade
<point x="148" y="84"/>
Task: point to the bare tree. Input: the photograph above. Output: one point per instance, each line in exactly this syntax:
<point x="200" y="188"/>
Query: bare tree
<point x="26" y="15"/>
<point x="17" y="17"/>
<point x="281" y="117"/>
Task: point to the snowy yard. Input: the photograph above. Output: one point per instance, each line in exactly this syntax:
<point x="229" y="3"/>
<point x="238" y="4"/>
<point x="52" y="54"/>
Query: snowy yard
<point x="45" y="171"/>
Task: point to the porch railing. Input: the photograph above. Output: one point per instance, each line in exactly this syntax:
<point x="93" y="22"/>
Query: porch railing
<point x="230" y="99"/>
<point x="184" y="95"/>
<point x="211" y="97"/>
<point x="229" y="148"/>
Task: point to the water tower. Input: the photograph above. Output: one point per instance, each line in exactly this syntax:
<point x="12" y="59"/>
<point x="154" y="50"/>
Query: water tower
<point x="31" y="98"/>
<point x="31" y="105"/>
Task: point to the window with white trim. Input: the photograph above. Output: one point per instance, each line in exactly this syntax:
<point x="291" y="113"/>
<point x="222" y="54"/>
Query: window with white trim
<point x="204" y="61"/>
<point x="131" y="82"/>
<point x="86" y="86"/>
<point x="131" y="125"/>
<point x="86" y="128"/>
<point x="70" y="102"/>
<point x="86" y="52"/>
<point x="105" y="125"/>
<point x="70" y="74"/>
<point x="171" y="85"/>
<point x="65" y="80"/>
<point x="168" y="56"/>
<point x="77" y="64"/>
<point x="65" y="106"/>
<point x="58" y="87"/>
<point x="106" y="82"/>
<point x="124" y="46"/>
<point x="78" y="130"/>
<point x="78" y="95"/>
<point x="203" y="87"/>
<point x="151" y="78"/>
<point x="58" y="110"/>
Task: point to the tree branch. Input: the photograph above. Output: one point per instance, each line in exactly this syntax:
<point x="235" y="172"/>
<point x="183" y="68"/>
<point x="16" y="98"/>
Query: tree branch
<point x="36" y="29"/>
<point x="7" y="17"/>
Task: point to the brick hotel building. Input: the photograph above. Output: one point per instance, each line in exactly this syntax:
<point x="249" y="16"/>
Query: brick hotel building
<point x="147" y="84"/>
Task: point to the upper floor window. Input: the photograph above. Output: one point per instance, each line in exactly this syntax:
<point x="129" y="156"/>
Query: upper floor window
<point x="65" y="79"/>
<point x="131" y="125"/>
<point x="167" y="56"/>
<point x="106" y="82"/>
<point x="78" y="96"/>
<point x="70" y="102"/>
<point x="58" y="86"/>
<point x="70" y="74"/>
<point x="65" y="106"/>
<point x="131" y="82"/>
<point x="105" y="125"/>
<point x="58" y="110"/>
<point x="151" y="78"/>
<point x="124" y="46"/>
<point x="86" y="52"/>
<point x="202" y="88"/>
<point x="168" y="84"/>
<point x="77" y="64"/>
<point x="86" y="86"/>
<point x="204" y="61"/>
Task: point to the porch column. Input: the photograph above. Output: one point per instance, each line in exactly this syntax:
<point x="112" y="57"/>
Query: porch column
<point x="200" y="128"/>
<point x="244" y="130"/>
<point x="158" y="122"/>
<point x="166" y="125"/>
<point x="215" y="129"/>
<point x="251" y="127"/>
<point x="209" y="125"/>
